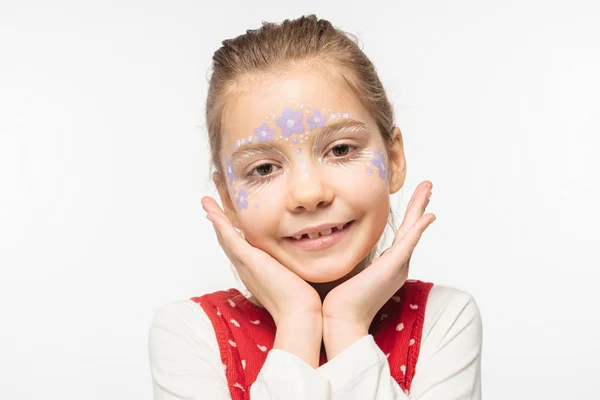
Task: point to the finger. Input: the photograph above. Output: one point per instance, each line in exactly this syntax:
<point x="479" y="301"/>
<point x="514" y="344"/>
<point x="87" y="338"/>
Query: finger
<point x="415" y="209"/>
<point x="402" y="250"/>
<point x="230" y="255"/>
<point x="415" y="194"/>
<point x="418" y="202"/>
<point x="210" y="205"/>
<point x="229" y="238"/>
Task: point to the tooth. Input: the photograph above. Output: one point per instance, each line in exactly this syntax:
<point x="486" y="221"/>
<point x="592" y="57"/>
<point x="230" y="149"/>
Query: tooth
<point x="340" y="227"/>
<point x="313" y="235"/>
<point x="326" y="232"/>
<point x="298" y="237"/>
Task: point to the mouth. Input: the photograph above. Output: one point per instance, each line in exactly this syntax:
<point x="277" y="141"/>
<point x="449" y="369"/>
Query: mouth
<point x="320" y="239"/>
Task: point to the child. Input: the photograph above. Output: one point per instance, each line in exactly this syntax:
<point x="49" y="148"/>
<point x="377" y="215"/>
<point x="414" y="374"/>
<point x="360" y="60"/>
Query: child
<point x="306" y="156"/>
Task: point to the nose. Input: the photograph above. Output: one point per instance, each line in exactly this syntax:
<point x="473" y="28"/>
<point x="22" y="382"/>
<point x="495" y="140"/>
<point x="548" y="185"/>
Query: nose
<point x="309" y="190"/>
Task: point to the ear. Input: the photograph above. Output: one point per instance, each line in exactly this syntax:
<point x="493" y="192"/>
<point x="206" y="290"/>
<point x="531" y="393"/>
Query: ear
<point x="221" y="184"/>
<point x="397" y="162"/>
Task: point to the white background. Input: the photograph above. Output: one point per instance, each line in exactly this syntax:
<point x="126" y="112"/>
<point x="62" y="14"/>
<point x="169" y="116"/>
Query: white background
<point x="103" y="161"/>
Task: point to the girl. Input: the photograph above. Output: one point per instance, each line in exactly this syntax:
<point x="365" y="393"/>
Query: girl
<point x="306" y="155"/>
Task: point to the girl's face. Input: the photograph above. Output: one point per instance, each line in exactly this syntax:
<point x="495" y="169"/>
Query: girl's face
<point x="306" y="175"/>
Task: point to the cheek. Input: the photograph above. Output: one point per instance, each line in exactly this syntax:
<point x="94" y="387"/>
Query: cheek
<point x="261" y="219"/>
<point x="366" y="194"/>
<point x="358" y="182"/>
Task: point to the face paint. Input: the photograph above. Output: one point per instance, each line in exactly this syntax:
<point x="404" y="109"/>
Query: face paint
<point x="308" y="188"/>
<point x="337" y="129"/>
<point x="241" y="199"/>
<point x="290" y="122"/>
<point x="353" y="160"/>
<point x="263" y="133"/>
<point x="316" y="119"/>
<point x="303" y="165"/>
<point x="249" y="183"/>
<point x="231" y="176"/>
<point x="379" y="162"/>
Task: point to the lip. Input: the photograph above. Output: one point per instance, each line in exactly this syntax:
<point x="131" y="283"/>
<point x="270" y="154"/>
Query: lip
<point x="317" y="228"/>
<point x="322" y="242"/>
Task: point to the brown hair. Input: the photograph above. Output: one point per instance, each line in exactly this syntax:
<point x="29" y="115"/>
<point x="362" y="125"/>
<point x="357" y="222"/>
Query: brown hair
<point x="277" y="47"/>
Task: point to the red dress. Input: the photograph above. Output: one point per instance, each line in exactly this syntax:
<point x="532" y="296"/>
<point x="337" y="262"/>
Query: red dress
<point x="245" y="333"/>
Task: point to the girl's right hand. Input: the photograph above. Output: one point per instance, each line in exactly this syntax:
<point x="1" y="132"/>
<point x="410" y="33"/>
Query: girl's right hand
<point x="279" y="290"/>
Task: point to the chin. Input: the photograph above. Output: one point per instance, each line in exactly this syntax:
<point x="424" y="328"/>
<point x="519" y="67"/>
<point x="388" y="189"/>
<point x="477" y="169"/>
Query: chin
<point x="327" y="269"/>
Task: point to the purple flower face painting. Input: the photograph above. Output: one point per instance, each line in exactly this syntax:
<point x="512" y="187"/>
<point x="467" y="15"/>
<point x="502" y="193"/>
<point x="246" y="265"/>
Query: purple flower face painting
<point x="242" y="199"/>
<point x="290" y="122"/>
<point x="316" y="119"/>
<point x="231" y="176"/>
<point x="379" y="162"/>
<point x="264" y="133"/>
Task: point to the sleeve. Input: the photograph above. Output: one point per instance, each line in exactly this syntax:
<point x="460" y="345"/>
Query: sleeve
<point x="449" y="365"/>
<point x="185" y="362"/>
<point x="362" y="372"/>
<point x="286" y="376"/>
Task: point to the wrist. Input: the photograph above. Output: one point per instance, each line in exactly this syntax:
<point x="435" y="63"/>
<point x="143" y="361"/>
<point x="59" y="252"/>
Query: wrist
<point x="301" y="335"/>
<point x="339" y="334"/>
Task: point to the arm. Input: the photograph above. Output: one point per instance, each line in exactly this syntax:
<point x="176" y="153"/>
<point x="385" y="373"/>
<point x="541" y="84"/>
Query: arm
<point x="290" y="373"/>
<point x="448" y="365"/>
<point x="185" y="361"/>
<point x="301" y="336"/>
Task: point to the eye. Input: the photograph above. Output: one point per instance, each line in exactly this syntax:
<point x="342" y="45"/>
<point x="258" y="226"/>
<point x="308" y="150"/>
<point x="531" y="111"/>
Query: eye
<point x="263" y="170"/>
<point x="341" y="150"/>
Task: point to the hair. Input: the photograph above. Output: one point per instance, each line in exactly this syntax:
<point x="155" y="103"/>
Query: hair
<point x="276" y="48"/>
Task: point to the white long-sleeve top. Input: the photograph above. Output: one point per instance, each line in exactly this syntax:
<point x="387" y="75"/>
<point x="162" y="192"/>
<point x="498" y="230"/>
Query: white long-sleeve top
<point x="186" y="363"/>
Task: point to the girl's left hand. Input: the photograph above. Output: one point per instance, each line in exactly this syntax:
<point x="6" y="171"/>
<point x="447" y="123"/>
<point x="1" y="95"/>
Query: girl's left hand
<point x="352" y="305"/>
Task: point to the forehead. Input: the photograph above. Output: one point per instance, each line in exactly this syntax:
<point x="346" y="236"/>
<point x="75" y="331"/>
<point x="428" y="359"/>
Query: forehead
<point x="265" y="99"/>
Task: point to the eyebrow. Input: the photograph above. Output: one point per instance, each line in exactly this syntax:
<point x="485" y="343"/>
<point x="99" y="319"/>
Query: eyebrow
<point x="328" y="130"/>
<point x="246" y="150"/>
<point x="338" y="126"/>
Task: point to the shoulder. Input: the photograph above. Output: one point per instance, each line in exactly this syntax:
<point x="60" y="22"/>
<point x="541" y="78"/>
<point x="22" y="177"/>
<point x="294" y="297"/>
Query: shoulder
<point x="182" y="319"/>
<point x="184" y="354"/>
<point x="450" y="312"/>
<point x="449" y="358"/>
<point x="443" y="297"/>
<point x="179" y="310"/>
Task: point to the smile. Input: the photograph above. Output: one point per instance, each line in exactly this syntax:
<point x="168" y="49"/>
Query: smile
<point x="321" y="239"/>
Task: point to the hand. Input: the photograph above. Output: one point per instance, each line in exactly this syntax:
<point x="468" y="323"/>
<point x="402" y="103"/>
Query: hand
<point x="351" y="306"/>
<point x="279" y="290"/>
